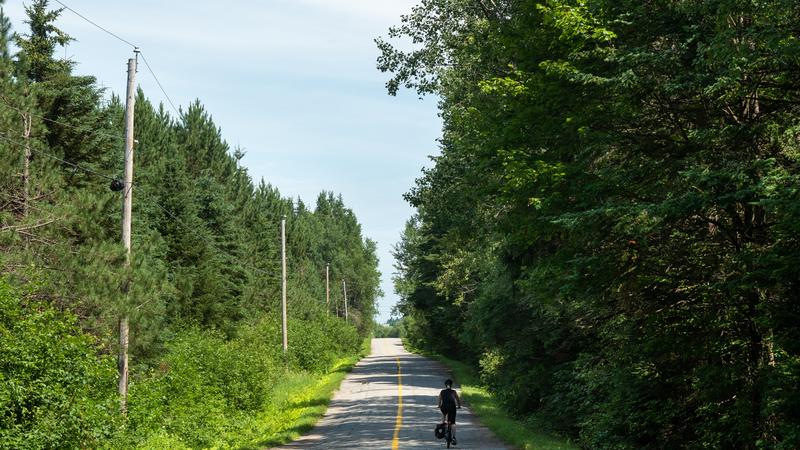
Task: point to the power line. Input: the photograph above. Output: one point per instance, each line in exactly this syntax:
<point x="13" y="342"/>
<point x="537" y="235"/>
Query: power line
<point x="159" y="85"/>
<point x="4" y="136"/>
<point x="53" y="121"/>
<point x="95" y="24"/>
<point x="135" y="48"/>
<point x="145" y="197"/>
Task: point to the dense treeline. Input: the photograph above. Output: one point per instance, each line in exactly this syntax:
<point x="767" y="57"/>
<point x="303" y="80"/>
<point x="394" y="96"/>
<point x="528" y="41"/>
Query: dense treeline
<point x="391" y="329"/>
<point x="205" y="275"/>
<point x="611" y="231"/>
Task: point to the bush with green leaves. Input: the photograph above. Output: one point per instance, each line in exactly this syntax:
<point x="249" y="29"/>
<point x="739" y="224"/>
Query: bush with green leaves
<point x="206" y="385"/>
<point x="56" y="391"/>
<point x="315" y="345"/>
<point x="202" y="379"/>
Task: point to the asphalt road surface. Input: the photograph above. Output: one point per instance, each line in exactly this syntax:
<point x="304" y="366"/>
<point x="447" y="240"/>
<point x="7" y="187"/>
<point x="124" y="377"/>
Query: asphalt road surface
<point x="389" y="401"/>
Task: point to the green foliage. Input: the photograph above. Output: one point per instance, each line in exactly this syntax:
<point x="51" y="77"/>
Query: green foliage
<point x="393" y="329"/>
<point x="206" y="240"/>
<point x="222" y="383"/>
<point x="55" y="391"/>
<point x="202" y="292"/>
<point x="201" y="379"/>
<point x="522" y="434"/>
<point x="316" y="345"/>
<point x="610" y="230"/>
<point x="39" y="46"/>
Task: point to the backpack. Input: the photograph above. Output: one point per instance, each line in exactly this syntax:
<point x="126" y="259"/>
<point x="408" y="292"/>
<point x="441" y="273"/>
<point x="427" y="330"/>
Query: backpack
<point x="440" y="430"/>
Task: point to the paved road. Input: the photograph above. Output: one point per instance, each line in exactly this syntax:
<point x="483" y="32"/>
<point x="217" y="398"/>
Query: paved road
<point x="376" y="408"/>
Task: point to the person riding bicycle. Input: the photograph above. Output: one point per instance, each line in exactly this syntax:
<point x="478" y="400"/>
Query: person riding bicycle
<point x="448" y="401"/>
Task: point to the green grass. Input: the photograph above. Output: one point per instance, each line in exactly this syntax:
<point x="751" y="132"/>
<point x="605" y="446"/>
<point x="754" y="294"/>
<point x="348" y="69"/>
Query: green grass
<point x="518" y="433"/>
<point x="300" y="401"/>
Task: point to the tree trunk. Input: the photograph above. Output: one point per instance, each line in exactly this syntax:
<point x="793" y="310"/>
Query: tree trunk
<point x="26" y="168"/>
<point x="755" y="363"/>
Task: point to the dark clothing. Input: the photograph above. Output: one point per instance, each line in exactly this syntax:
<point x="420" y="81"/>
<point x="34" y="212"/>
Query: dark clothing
<point x="448" y="397"/>
<point x="451" y="413"/>
<point x="449" y="401"/>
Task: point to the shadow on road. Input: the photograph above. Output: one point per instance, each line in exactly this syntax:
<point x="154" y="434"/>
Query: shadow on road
<point x="364" y="413"/>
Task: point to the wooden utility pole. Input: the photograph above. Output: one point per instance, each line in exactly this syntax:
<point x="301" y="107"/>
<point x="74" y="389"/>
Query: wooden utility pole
<point x="327" y="288"/>
<point x="283" y="284"/>
<point x="344" y="288"/>
<point x="127" y="206"/>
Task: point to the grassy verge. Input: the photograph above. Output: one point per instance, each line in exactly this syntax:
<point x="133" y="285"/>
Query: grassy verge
<point x="302" y="400"/>
<point x="519" y="433"/>
<point x="298" y="400"/>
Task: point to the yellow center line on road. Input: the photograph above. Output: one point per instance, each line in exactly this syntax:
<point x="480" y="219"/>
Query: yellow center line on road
<point x="399" y="421"/>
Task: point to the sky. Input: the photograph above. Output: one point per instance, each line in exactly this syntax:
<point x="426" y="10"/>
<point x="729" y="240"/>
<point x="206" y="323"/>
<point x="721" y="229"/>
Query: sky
<point x="292" y="82"/>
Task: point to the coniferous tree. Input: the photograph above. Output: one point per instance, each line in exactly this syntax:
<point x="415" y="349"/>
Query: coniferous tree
<point x="204" y="280"/>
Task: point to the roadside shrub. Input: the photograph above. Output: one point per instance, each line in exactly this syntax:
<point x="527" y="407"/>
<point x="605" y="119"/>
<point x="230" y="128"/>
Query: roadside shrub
<point x="315" y="345"/>
<point x="180" y="397"/>
<point x="201" y="383"/>
<point x="56" y="391"/>
<point x="345" y="338"/>
<point x="309" y="347"/>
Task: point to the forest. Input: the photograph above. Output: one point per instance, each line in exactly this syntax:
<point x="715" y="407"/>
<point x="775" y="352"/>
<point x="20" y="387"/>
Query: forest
<point x="610" y="231"/>
<point x="202" y="292"/>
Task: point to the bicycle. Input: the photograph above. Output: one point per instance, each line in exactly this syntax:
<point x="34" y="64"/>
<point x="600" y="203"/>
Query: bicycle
<point x="448" y="435"/>
<point x="447" y="432"/>
<point x="449" y="438"/>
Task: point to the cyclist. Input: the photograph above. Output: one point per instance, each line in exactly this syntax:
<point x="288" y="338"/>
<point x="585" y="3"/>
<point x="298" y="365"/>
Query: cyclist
<point x="448" y="401"/>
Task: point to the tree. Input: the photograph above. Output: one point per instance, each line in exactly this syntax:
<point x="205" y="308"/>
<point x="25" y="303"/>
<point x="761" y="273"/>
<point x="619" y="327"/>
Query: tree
<point x="607" y="198"/>
<point x="40" y="44"/>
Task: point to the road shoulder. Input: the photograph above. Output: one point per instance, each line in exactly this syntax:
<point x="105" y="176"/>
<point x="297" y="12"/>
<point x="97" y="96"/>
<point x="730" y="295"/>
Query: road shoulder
<point x="491" y="415"/>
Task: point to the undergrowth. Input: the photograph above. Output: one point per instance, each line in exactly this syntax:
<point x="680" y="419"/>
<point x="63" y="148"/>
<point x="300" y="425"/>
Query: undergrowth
<point x="522" y="433"/>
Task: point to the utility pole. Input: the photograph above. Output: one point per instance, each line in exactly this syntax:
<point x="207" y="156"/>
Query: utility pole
<point x="344" y="288"/>
<point x="283" y="284"/>
<point x="127" y="206"/>
<point x="327" y="288"/>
